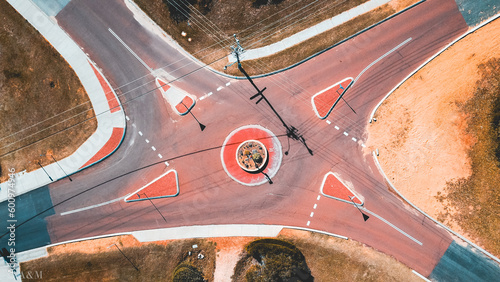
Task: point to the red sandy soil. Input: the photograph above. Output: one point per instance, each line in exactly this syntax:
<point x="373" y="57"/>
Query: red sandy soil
<point x="420" y="130"/>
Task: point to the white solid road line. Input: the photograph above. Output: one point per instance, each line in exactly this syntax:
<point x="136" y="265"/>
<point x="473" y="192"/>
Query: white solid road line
<point x="93" y="206"/>
<point x="380" y="58"/>
<point x="130" y="50"/>
<point x="391" y="225"/>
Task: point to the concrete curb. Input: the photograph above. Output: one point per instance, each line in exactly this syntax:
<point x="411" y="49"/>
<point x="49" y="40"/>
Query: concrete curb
<point x="183" y="232"/>
<point x="324" y="50"/>
<point x="84" y="68"/>
<point x="428" y="216"/>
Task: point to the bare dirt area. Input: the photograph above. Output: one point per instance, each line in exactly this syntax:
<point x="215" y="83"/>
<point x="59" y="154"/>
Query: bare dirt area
<point x="205" y="27"/>
<point x="40" y="96"/>
<point x="423" y="133"/>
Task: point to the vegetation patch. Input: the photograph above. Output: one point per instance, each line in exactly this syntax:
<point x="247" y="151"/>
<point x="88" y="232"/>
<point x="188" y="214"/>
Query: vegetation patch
<point x="204" y="28"/>
<point x="40" y="95"/>
<point x="273" y="260"/>
<point x="155" y="262"/>
<point x="473" y="202"/>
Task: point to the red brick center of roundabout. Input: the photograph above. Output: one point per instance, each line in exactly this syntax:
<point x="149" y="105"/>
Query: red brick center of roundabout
<point x="230" y="161"/>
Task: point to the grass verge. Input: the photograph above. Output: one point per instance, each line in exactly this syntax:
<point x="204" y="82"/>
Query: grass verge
<point x="39" y="96"/>
<point x="474" y="202"/>
<point x="156" y="262"/>
<point x="208" y="34"/>
<point x="334" y="259"/>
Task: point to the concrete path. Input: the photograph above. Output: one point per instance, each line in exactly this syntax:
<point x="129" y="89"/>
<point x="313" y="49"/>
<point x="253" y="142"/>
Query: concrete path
<point x="106" y="105"/>
<point x="308" y="33"/>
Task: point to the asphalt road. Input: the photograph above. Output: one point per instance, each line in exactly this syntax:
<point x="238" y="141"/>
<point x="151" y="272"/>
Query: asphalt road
<point x="207" y="194"/>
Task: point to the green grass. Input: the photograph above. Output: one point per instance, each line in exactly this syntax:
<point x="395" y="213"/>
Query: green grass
<point x="38" y="89"/>
<point x="474" y="201"/>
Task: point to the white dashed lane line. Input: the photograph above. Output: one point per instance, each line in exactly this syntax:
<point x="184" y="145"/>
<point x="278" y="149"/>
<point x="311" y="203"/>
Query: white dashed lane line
<point x="336" y="127"/>
<point x="219" y="88"/>
<point x="312" y="214"/>
<point x="346" y="134"/>
<point x="153" y="147"/>
<point x="315" y="206"/>
<point x="329" y="122"/>
<point x="227" y="84"/>
<point x="160" y="156"/>
<point x="147" y="141"/>
<point x="308" y="222"/>
<point x="140" y="133"/>
<point x="126" y="117"/>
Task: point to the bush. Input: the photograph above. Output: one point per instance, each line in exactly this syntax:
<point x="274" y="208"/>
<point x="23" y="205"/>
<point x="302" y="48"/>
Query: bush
<point x="278" y="261"/>
<point x="187" y="272"/>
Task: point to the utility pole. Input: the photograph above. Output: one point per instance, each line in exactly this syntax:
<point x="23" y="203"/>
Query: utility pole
<point x="291" y="132"/>
<point x="202" y="126"/>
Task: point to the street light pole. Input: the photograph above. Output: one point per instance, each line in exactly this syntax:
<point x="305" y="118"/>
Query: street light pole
<point x="61" y="168"/>
<point x="365" y="216"/>
<point x="202" y="126"/>
<point x="124" y="256"/>
<point x="45" y="171"/>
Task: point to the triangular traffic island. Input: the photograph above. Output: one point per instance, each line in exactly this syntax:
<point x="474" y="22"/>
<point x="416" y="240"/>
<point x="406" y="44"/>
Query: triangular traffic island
<point x="165" y="186"/>
<point x="185" y="105"/>
<point x="333" y="187"/>
<point x="324" y="101"/>
<point x="181" y="101"/>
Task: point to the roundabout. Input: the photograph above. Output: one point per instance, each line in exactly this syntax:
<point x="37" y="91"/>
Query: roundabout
<point x="251" y="155"/>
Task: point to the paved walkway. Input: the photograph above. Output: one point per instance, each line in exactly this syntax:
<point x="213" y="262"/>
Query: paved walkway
<point x="308" y="33"/>
<point x="106" y="105"/>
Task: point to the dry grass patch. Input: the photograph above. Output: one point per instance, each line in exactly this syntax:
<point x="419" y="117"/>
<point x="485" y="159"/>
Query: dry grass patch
<point x="155" y="261"/>
<point x="211" y="30"/>
<point x="40" y="95"/>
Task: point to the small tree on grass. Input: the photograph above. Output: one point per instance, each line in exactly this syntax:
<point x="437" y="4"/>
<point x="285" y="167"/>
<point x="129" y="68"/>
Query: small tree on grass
<point x="187" y="272"/>
<point x="278" y="261"/>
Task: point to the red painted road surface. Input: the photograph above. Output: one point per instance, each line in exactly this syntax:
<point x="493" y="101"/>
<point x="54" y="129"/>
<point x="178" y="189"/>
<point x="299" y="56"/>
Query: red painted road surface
<point x="209" y="195"/>
<point x="165" y="186"/>
<point x="110" y="96"/>
<point x="108" y="148"/>
<point x="324" y="101"/>
<point x="185" y="105"/>
<point x="334" y="188"/>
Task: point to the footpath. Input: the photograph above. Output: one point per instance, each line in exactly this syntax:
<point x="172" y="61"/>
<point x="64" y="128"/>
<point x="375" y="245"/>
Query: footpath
<point x="308" y="33"/>
<point x="111" y="122"/>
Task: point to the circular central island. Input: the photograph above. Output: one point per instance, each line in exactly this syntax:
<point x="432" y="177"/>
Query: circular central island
<point x="251" y="156"/>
